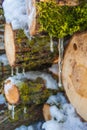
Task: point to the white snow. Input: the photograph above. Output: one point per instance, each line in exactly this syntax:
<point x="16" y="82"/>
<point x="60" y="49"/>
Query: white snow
<point x="56" y="113"/>
<point x="17" y="79"/>
<point x="7" y="87"/>
<point x="31" y="11"/>
<point x="49" y="81"/>
<point x="64" y="116"/>
<point x="2" y="99"/>
<point x="22" y="128"/>
<point x="51" y="125"/>
<point x="54" y="69"/>
<point x="3" y="59"/>
<point x="17" y="13"/>
<point x="30" y="128"/>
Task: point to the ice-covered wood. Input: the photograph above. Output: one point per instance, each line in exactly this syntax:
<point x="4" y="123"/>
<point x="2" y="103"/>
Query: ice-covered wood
<point x="74" y="74"/>
<point x="30" y="88"/>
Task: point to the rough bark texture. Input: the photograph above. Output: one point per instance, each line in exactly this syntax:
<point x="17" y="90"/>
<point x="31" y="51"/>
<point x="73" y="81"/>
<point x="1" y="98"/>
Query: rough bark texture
<point x="74" y="74"/>
<point x="5" y="71"/>
<point x="27" y="53"/>
<point x="27" y="92"/>
<point x="34" y="114"/>
<point x="2" y="21"/>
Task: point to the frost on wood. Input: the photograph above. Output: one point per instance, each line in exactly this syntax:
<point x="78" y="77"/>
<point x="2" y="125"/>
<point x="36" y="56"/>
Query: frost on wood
<point x="19" y="13"/>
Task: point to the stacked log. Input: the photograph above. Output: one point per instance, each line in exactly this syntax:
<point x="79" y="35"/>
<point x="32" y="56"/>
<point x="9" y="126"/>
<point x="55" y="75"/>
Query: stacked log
<point x="2" y="21"/>
<point x="26" y="53"/>
<point x="74" y="74"/>
<point x="26" y="91"/>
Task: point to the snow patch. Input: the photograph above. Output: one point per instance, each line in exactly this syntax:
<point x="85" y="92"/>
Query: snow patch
<point x="2" y="99"/>
<point x="49" y="81"/>
<point x="54" y="69"/>
<point x="19" y="13"/>
<point x="64" y="116"/>
<point x="3" y="59"/>
<point x="51" y="125"/>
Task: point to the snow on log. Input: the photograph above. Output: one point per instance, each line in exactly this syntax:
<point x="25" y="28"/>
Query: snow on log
<point x="22" y="14"/>
<point x="74" y="74"/>
<point x="11" y="92"/>
<point x="29" y="88"/>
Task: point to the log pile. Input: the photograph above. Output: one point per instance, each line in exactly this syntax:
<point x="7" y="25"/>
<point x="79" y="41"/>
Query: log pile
<point x="74" y="74"/>
<point x="31" y="54"/>
<point x="26" y="91"/>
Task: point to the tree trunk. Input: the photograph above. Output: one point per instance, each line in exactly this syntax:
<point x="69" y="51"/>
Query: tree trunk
<point x="22" y="52"/>
<point x="26" y="91"/>
<point x="74" y="74"/>
<point x="34" y="114"/>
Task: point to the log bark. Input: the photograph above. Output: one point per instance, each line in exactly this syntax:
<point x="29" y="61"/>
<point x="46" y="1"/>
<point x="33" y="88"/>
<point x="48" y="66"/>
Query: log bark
<point x="5" y="71"/>
<point x="74" y="74"/>
<point x="26" y="91"/>
<point x="2" y="21"/>
<point x="34" y="114"/>
<point x="22" y="52"/>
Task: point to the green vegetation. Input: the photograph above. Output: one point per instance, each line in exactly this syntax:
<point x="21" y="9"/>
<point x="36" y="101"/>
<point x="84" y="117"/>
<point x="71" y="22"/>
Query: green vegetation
<point x="34" y="92"/>
<point x="36" y="51"/>
<point x="60" y="21"/>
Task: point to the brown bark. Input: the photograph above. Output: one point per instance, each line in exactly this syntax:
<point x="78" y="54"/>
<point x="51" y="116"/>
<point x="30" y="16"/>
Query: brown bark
<point x="32" y="54"/>
<point x="34" y="114"/>
<point x="74" y="74"/>
<point x="27" y="91"/>
<point x="5" y="71"/>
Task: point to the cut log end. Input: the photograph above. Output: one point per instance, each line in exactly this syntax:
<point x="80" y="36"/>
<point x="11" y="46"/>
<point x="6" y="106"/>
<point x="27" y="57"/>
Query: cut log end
<point x="74" y="73"/>
<point x="9" y="44"/>
<point x="11" y="92"/>
<point x="46" y="112"/>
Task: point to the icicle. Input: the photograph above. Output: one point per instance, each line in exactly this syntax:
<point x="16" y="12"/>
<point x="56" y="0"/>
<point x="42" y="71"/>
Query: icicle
<point x="13" y="112"/>
<point x="51" y="44"/>
<point x="9" y="107"/>
<point x="23" y="71"/>
<point x="16" y="70"/>
<point x="12" y="71"/>
<point x="60" y="49"/>
<point x="25" y="110"/>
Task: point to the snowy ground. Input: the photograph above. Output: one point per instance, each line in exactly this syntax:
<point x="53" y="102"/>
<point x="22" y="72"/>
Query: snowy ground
<point x="62" y="112"/>
<point x="63" y="115"/>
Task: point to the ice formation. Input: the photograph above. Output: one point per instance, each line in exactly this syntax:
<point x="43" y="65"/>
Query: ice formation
<point x="19" y="13"/>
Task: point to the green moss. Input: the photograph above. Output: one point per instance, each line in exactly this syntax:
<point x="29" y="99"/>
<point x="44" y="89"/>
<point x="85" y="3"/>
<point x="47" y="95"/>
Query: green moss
<point x="60" y="21"/>
<point x="39" y="51"/>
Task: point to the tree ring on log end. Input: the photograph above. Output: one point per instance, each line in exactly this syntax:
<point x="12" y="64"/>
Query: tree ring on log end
<point x="9" y="44"/>
<point x="11" y="92"/>
<point x="27" y="53"/>
<point x="79" y="80"/>
<point x="74" y="73"/>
